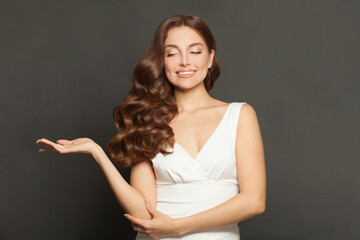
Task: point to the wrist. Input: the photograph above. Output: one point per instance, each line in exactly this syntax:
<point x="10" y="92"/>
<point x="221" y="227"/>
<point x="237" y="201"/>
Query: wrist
<point x="95" y="149"/>
<point x="97" y="152"/>
<point x="179" y="226"/>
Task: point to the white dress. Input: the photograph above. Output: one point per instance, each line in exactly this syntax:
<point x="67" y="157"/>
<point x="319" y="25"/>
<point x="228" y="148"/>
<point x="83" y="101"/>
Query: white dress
<point x="186" y="186"/>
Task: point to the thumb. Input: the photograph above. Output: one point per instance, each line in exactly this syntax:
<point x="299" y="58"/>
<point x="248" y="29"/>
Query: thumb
<point x="150" y="208"/>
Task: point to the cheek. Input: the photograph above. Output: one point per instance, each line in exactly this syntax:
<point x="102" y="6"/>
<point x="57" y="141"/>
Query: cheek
<point x="168" y="65"/>
<point x="167" y="69"/>
<point x="202" y="62"/>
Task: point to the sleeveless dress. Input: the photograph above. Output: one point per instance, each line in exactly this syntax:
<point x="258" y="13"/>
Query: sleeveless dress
<point x="186" y="186"/>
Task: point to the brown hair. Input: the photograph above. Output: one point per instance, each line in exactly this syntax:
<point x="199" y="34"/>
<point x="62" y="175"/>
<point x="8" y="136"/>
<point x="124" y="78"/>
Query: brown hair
<point x="142" y="119"/>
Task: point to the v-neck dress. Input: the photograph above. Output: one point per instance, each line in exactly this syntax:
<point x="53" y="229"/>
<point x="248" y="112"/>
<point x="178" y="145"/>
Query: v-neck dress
<point x="187" y="185"/>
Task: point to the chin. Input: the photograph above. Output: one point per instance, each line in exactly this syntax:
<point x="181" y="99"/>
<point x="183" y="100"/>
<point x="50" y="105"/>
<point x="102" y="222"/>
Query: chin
<point x="188" y="86"/>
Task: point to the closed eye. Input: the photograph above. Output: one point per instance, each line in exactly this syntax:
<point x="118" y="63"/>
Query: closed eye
<point x="195" y="52"/>
<point x="170" y="54"/>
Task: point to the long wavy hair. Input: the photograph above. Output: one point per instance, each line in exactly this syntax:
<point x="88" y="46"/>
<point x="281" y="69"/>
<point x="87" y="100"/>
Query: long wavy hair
<point x="142" y="118"/>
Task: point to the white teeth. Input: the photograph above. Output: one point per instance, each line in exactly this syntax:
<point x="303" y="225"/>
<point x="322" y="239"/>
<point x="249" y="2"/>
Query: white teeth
<point x="184" y="73"/>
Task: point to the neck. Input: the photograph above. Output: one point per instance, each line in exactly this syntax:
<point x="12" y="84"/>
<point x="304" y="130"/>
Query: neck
<point x="191" y="99"/>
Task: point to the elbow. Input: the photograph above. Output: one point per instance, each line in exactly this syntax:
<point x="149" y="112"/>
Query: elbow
<point x="259" y="207"/>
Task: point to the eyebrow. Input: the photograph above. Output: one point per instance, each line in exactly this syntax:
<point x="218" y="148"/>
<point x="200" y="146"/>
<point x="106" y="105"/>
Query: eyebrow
<point x="175" y="46"/>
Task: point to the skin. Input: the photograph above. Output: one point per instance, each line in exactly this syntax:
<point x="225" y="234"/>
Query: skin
<point x="186" y="50"/>
<point x="199" y="115"/>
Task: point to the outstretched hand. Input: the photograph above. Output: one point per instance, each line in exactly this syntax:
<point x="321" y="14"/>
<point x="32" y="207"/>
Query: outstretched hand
<point x="159" y="226"/>
<point x="79" y="145"/>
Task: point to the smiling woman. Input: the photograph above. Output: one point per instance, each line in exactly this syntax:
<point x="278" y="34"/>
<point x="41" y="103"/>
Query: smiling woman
<point x="197" y="163"/>
<point x="168" y="68"/>
<point x="186" y="57"/>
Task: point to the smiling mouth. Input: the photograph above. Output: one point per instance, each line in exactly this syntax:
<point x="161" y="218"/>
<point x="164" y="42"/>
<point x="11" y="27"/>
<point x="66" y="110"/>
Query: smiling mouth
<point x="185" y="74"/>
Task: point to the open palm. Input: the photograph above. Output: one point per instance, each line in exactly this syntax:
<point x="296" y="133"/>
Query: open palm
<point x="79" y="145"/>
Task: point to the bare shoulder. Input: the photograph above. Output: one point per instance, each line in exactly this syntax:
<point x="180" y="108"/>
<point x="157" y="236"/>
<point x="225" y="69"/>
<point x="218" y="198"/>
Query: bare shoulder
<point x="247" y="117"/>
<point x="247" y="111"/>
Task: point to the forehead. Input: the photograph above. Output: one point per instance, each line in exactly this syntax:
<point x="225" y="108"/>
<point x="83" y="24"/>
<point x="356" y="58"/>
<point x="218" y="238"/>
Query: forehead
<point x="183" y="36"/>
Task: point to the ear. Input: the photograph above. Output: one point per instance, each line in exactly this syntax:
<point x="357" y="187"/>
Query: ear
<point x="211" y="58"/>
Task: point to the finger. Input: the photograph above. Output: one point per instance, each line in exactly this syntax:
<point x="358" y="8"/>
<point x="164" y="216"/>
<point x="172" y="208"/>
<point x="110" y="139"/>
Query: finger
<point x="59" y="148"/>
<point x="138" y="228"/>
<point x="46" y="142"/>
<point x="135" y="220"/>
<point x="40" y="139"/>
<point x="150" y="208"/>
<point x="43" y="140"/>
<point x="55" y="146"/>
<point x="44" y="149"/>
<point x="64" y="142"/>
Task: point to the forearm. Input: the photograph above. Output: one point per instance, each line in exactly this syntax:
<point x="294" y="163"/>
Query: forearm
<point x="129" y="198"/>
<point x="236" y="209"/>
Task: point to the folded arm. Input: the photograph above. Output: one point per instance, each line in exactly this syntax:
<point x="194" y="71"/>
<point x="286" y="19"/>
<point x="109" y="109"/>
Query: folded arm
<point x="250" y="164"/>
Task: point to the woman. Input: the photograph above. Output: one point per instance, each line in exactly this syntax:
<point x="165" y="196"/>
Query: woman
<point x="197" y="164"/>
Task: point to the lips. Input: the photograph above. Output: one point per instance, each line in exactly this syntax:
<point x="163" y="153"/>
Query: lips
<point x="185" y="73"/>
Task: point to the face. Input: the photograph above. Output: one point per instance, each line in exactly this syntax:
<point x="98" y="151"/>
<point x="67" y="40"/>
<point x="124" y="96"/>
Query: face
<point x="186" y="58"/>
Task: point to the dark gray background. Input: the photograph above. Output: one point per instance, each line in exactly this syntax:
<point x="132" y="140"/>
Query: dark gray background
<point x="64" y="66"/>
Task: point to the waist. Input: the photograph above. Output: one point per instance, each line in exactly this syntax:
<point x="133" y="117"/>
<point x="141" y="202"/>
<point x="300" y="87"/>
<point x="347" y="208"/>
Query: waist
<point x="229" y="232"/>
<point x="185" y="199"/>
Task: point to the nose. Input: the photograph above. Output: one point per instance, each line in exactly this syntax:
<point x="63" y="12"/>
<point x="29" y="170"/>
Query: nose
<point x="184" y="61"/>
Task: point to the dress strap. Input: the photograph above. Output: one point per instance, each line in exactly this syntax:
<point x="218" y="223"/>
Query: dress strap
<point x="236" y="108"/>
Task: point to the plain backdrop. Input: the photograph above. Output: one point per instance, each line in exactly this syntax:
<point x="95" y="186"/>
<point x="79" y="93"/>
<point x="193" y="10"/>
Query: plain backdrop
<point x="64" y="66"/>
